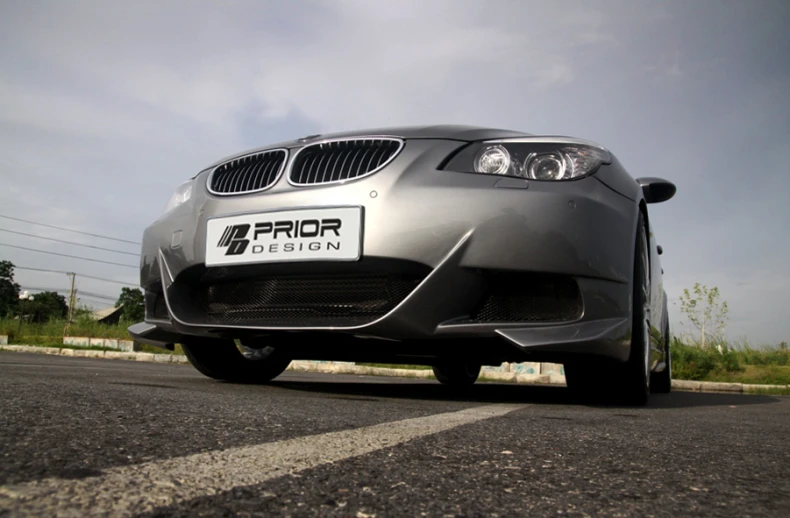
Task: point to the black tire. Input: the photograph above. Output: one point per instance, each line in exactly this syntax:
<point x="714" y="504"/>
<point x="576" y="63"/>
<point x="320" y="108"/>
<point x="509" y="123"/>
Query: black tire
<point x="222" y="360"/>
<point x="629" y="382"/>
<point x="590" y="380"/>
<point x="457" y="373"/>
<point x="633" y="383"/>
<point x="661" y="382"/>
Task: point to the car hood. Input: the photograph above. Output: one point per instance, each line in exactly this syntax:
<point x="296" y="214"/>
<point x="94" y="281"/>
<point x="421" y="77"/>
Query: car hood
<point x="446" y="132"/>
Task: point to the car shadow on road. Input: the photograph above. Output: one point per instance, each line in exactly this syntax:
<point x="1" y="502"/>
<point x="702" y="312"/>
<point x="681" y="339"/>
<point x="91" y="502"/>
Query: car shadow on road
<point x="504" y="393"/>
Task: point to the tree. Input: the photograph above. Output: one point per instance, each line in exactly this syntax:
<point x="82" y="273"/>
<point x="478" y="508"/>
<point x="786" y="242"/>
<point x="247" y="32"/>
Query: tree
<point x="81" y="311"/>
<point x="45" y="306"/>
<point x="133" y="304"/>
<point x="703" y="309"/>
<point x="9" y="290"/>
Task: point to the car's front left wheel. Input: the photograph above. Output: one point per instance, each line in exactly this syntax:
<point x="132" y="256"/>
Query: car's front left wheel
<point x="627" y="382"/>
<point x="223" y="360"/>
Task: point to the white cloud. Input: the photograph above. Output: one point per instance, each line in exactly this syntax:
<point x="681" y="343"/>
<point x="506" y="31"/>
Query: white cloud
<point x="351" y="70"/>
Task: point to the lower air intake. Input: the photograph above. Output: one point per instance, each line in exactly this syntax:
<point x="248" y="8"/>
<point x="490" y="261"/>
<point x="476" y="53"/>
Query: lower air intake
<point x="337" y="300"/>
<point x="529" y="298"/>
<point x="155" y="306"/>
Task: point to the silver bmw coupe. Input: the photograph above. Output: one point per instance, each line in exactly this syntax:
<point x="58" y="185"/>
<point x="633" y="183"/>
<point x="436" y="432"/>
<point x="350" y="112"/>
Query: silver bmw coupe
<point x="449" y="246"/>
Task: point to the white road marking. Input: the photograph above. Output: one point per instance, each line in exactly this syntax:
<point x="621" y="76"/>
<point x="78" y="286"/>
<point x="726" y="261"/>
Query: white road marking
<point x="129" y="490"/>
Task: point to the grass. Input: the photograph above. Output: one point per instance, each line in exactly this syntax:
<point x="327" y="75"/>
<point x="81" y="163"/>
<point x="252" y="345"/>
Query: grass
<point x="58" y="328"/>
<point x="731" y="362"/>
<point x="755" y="374"/>
<point x="50" y="334"/>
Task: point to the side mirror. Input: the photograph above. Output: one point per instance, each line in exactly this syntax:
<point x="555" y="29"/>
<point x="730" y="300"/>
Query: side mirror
<point x="656" y="190"/>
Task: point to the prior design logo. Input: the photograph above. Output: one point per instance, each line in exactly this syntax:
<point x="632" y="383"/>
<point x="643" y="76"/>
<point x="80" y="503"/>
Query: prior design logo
<point x="295" y="235"/>
<point x="234" y="238"/>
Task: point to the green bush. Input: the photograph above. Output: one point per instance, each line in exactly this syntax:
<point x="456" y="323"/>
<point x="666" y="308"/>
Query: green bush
<point x="690" y="362"/>
<point x="777" y="356"/>
<point x="722" y="360"/>
<point x="771" y="375"/>
<point x="730" y="360"/>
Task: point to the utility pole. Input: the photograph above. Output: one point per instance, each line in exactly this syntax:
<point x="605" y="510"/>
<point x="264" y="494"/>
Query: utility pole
<point x="72" y="298"/>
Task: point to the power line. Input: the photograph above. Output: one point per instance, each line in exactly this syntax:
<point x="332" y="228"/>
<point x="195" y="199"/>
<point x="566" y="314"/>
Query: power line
<point x="40" y="289"/>
<point x="71" y="230"/>
<point x="67" y="242"/>
<point x="88" y="301"/>
<point x="78" y="275"/>
<point x="95" y="295"/>
<point x="79" y="292"/>
<point x="91" y="300"/>
<point x="80" y="295"/>
<point x="67" y="255"/>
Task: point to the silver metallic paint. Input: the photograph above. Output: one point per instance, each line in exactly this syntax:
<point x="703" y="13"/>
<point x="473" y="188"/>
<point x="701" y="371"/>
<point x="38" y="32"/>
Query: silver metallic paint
<point x="455" y="223"/>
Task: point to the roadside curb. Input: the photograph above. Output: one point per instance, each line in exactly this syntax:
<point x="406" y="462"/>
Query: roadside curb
<point x="359" y="370"/>
<point x="90" y="353"/>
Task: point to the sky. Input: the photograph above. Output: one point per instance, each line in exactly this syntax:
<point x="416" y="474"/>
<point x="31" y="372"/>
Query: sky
<point x="105" y="107"/>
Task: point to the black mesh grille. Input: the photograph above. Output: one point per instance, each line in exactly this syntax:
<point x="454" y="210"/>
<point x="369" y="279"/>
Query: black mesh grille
<point x="342" y="160"/>
<point x="249" y="173"/>
<point x="529" y="298"/>
<point x="302" y="301"/>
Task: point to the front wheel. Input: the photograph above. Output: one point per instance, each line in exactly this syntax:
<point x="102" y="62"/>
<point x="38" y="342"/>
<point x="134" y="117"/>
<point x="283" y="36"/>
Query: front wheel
<point x="457" y="373"/>
<point x="222" y="360"/>
<point x="627" y="382"/>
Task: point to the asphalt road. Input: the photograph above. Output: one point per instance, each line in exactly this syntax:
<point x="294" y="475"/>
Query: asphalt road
<point x="82" y="437"/>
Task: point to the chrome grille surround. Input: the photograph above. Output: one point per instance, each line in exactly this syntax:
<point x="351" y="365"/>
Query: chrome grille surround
<point x="254" y="172"/>
<point x="342" y="159"/>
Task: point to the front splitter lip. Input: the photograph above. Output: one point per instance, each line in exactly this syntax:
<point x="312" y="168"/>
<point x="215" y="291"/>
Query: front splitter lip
<point x="157" y="334"/>
<point x="605" y="338"/>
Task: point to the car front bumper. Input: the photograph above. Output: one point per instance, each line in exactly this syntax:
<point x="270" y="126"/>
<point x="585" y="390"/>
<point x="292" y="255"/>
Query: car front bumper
<point x="459" y="237"/>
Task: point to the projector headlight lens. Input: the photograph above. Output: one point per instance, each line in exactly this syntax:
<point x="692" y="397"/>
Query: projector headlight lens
<point x="538" y="159"/>
<point x="550" y="166"/>
<point x="493" y="160"/>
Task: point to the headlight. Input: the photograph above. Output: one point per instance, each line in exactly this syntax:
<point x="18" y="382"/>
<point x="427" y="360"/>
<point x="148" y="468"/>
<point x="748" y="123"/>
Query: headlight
<point x="494" y="160"/>
<point x="182" y="195"/>
<point x="538" y="158"/>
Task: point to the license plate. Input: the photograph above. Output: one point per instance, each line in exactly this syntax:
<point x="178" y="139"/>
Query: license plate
<point x="324" y="234"/>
